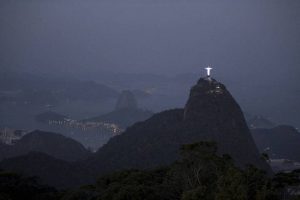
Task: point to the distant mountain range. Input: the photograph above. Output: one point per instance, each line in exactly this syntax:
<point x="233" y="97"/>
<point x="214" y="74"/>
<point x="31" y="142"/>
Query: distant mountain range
<point x="280" y="142"/>
<point x="53" y="144"/>
<point x="259" y="121"/>
<point x="23" y="88"/>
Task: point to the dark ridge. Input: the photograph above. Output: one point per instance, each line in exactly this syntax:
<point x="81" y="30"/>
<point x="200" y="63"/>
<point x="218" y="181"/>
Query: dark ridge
<point x="281" y="142"/>
<point x="49" y="143"/>
<point x="51" y="171"/>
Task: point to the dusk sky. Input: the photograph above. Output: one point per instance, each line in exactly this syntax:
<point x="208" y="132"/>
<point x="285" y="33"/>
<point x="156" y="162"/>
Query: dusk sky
<point x="245" y="38"/>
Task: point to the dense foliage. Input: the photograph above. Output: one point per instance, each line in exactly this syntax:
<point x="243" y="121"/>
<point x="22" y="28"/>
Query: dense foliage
<point x="200" y="174"/>
<point x="15" y="187"/>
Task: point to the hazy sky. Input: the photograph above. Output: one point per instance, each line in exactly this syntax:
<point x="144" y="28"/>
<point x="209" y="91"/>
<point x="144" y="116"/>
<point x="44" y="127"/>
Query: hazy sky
<point x="242" y="37"/>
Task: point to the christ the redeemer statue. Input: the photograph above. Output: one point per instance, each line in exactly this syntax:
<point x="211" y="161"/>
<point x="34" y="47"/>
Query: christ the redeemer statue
<point x="208" y="69"/>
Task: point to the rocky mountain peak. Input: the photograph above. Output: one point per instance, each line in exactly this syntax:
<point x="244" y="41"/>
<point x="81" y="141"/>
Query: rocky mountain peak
<point x="126" y="100"/>
<point x="216" y="115"/>
<point x="210" y="100"/>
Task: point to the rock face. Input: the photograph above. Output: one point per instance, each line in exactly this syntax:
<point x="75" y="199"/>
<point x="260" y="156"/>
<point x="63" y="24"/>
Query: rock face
<point x="126" y="101"/>
<point x="211" y="114"/>
<point x="212" y="110"/>
<point x="211" y="101"/>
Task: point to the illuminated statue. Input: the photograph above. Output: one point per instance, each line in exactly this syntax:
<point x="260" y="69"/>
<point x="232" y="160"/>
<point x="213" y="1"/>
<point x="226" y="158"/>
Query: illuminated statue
<point x="208" y="69"/>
